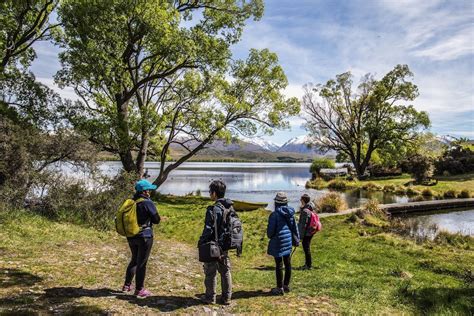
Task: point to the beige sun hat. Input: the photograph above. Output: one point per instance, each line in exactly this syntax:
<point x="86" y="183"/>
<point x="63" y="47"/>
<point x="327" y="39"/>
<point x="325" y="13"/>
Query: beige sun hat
<point x="281" y="198"/>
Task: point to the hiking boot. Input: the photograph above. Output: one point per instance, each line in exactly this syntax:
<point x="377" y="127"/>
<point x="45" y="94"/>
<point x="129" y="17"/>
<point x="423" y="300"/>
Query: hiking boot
<point x="286" y="288"/>
<point x="127" y="288"/>
<point x="206" y="300"/>
<point x="225" y="301"/>
<point x="277" y="291"/>
<point x="305" y="267"/>
<point x="143" y="293"/>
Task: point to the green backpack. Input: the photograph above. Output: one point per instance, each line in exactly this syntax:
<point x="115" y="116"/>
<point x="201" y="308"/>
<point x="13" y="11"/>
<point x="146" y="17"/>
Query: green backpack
<point x="126" y="223"/>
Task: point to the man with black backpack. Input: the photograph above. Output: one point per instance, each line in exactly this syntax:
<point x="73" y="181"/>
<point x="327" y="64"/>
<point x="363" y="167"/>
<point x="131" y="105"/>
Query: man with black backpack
<point x="222" y="227"/>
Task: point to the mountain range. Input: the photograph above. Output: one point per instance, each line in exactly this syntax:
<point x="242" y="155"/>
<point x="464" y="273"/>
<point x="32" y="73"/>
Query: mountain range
<point x="258" y="149"/>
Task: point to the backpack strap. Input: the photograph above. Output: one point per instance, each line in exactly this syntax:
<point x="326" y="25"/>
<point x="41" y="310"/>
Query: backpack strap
<point x="215" y="223"/>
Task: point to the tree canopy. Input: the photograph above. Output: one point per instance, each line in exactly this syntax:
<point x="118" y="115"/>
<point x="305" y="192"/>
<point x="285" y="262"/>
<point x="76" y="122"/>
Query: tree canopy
<point x="156" y="74"/>
<point x="372" y="118"/>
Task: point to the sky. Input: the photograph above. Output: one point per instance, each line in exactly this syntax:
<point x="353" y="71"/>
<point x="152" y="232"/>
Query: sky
<point x="317" y="39"/>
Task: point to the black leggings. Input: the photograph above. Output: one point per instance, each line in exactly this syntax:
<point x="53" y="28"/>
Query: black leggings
<point x="140" y="248"/>
<point x="279" y="272"/>
<point x="307" y="250"/>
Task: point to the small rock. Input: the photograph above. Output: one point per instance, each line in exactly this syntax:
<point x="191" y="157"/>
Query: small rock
<point x="206" y="309"/>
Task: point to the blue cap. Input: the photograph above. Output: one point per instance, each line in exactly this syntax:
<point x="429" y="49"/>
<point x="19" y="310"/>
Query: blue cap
<point x="144" y="185"/>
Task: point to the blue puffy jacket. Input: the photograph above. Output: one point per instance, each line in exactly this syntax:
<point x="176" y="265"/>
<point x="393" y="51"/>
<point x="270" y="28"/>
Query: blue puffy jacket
<point x="279" y="232"/>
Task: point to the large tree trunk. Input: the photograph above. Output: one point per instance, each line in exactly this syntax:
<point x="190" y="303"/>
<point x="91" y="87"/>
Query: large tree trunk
<point x="122" y="129"/>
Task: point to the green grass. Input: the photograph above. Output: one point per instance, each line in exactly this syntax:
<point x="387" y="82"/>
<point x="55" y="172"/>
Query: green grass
<point x="357" y="269"/>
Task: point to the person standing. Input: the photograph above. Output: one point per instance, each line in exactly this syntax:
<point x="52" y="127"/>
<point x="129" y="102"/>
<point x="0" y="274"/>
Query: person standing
<point x="217" y="190"/>
<point x="140" y="244"/>
<point x="283" y="234"/>
<point x="305" y="229"/>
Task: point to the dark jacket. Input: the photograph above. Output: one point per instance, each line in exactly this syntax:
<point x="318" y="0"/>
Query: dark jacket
<point x="208" y="231"/>
<point x="147" y="215"/>
<point x="279" y="232"/>
<point x="305" y="218"/>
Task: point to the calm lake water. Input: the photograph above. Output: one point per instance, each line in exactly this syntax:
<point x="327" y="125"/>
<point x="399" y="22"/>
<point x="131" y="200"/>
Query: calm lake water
<point x="259" y="182"/>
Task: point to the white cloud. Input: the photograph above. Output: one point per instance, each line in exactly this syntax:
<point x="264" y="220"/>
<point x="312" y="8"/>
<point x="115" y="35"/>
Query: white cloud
<point x="67" y="93"/>
<point x="459" y="45"/>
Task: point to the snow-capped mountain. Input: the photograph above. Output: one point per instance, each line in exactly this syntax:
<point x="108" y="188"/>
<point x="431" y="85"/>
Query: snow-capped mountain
<point x="265" y="144"/>
<point x="297" y="144"/>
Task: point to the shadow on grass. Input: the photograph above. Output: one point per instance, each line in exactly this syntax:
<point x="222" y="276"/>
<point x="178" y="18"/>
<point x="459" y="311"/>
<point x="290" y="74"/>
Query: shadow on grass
<point x="440" y="300"/>
<point x="14" y="277"/>
<point x="265" y="268"/>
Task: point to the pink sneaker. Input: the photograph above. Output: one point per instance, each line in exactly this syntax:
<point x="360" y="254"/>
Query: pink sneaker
<point x="143" y="293"/>
<point x="127" y="288"/>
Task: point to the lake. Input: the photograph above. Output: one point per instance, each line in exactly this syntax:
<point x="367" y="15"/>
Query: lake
<point x="259" y="182"/>
<point x="256" y="182"/>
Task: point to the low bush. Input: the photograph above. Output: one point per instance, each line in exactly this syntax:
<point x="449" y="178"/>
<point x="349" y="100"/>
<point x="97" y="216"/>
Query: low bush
<point x="450" y="194"/>
<point x="317" y="184"/>
<point x="338" y="184"/>
<point x="76" y="202"/>
<point x="331" y="203"/>
<point x="427" y="192"/>
<point x="412" y="192"/>
<point x="371" y="187"/>
<point x="418" y="198"/>
<point x="457" y="240"/>
<point x="464" y="194"/>
<point x="389" y="188"/>
<point x="400" y="190"/>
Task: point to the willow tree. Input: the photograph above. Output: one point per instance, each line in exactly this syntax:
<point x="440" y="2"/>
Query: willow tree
<point x="151" y="74"/>
<point x="358" y="123"/>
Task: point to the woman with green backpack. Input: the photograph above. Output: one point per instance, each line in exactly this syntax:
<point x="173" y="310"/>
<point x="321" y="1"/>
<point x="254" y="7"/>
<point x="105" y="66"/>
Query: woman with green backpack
<point x="141" y="241"/>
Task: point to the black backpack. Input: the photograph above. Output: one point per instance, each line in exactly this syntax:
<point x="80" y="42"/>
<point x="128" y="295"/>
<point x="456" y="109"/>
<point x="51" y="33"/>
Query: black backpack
<point x="233" y="236"/>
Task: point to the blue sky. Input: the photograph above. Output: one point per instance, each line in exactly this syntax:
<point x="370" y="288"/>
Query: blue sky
<point x="318" y="39"/>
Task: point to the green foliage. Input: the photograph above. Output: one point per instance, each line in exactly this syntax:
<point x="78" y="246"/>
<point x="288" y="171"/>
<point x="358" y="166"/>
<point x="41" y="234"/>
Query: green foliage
<point x="168" y="78"/>
<point x="321" y="163"/>
<point x="331" y="203"/>
<point x="23" y="22"/>
<point x="457" y="160"/>
<point x="360" y="124"/>
<point x="420" y="167"/>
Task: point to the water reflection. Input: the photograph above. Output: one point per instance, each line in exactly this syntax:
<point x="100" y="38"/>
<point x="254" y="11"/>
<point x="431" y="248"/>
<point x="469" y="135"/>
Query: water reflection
<point x="257" y="182"/>
<point x="428" y="224"/>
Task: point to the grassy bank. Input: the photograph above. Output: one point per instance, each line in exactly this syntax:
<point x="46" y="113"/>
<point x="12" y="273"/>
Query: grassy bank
<point x="455" y="183"/>
<point x="54" y="267"/>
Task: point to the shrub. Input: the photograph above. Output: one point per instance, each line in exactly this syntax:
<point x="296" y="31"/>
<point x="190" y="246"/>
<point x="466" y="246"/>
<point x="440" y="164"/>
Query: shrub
<point x="400" y="190"/>
<point x="321" y="163"/>
<point x="450" y="194"/>
<point x="372" y="213"/>
<point x="371" y="187"/>
<point x="389" y="188"/>
<point x="427" y="192"/>
<point x="317" y="184"/>
<point x="465" y="194"/>
<point x="457" y="160"/>
<point x="420" y="167"/>
<point x="338" y="184"/>
<point x="78" y="203"/>
<point x="331" y="203"/>
<point x="412" y="192"/>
